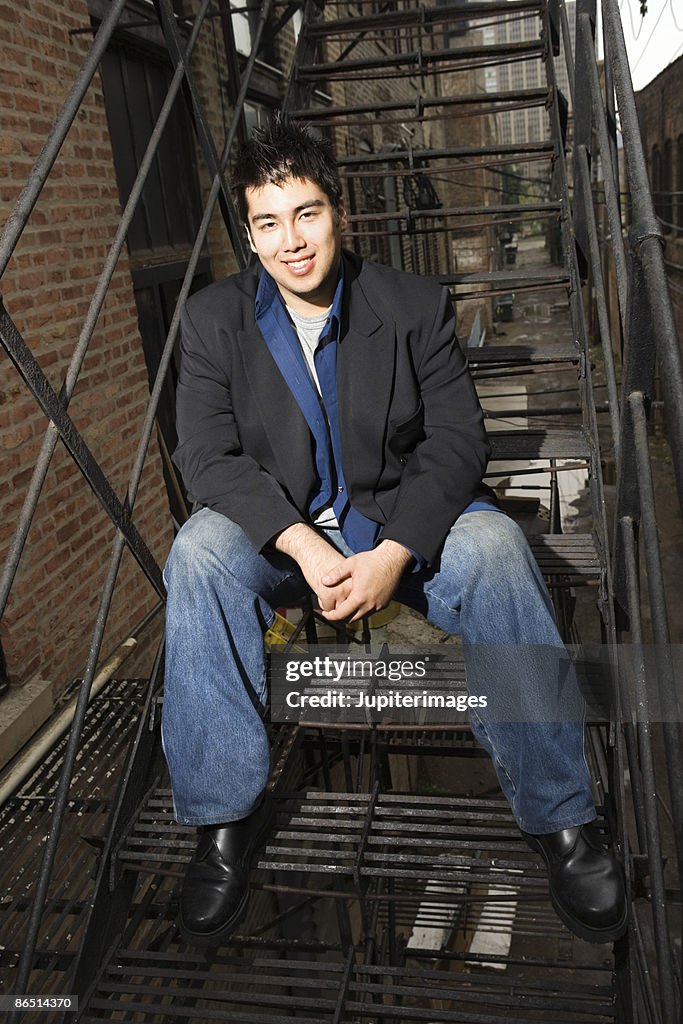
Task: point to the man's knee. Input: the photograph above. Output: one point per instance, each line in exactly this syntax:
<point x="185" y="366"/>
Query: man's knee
<point x="490" y="541"/>
<point x="201" y="548"/>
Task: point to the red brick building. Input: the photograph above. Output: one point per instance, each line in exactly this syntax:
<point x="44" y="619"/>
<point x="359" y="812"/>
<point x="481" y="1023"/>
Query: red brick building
<point x="47" y="290"/>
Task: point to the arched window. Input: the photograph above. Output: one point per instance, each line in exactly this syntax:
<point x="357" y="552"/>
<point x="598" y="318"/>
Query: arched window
<point x="656" y="180"/>
<point x="667" y="213"/>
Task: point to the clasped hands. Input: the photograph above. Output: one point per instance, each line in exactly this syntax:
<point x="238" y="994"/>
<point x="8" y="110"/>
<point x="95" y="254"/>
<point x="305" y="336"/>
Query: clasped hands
<point x="347" y="588"/>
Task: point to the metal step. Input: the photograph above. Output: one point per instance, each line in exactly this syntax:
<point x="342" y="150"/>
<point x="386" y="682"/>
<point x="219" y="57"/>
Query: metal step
<point x="421" y="16"/>
<point x="467" y="56"/>
<point x="430" y="863"/>
<point x="571" y="555"/>
<point x="508" y="356"/>
<point x="520" y="98"/>
<point x="515" y="211"/>
<point x="348" y="845"/>
<point x="510" y="151"/>
<point x="544" y="276"/>
<point x="503" y="282"/>
<point x="540" y="444"/>
<point x="266" y="986"/>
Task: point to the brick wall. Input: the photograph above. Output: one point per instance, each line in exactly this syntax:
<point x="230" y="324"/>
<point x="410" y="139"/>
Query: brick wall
<point x="47" y="289"/>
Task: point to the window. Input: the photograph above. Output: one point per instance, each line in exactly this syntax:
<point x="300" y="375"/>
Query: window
<point x="679" y="185"/>
<point x="135" y="79"/>
<point x="667" y="188"/>
<point x="244" y="21"/>
<point x="520" y="126"/>
<point x="242" y="31"/>
<point x="656" y="180"/>
<point x="256" y="115"/>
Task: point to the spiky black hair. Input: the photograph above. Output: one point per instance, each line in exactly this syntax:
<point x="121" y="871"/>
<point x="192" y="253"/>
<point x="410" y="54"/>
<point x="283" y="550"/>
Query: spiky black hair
<point x="285" y="149"/>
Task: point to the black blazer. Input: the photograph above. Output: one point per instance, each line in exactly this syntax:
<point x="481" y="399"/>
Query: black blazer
<point x="413" y="438"/>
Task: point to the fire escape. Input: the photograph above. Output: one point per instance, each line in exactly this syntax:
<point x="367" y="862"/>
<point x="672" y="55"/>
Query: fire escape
<point x="384" y="893"/>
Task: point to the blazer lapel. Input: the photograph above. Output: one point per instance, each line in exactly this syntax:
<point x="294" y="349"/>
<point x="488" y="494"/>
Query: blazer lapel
<point x="283" y="421"/>
<point x="365" y="379"/>
<point x="366" y="360"/>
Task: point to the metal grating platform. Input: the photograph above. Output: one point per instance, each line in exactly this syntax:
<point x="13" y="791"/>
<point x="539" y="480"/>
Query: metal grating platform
<point x="25" y="821"/>
<point x="419" y="865"/>
<point x="350" y="844"/>
<point x="267" y="989"/>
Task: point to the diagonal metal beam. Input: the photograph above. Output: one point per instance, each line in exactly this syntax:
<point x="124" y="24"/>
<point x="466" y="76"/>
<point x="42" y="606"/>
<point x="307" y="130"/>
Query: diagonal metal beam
<point x="71" y="379"/>
<point x="52" y="406"/>
<point x="286" y="16"/>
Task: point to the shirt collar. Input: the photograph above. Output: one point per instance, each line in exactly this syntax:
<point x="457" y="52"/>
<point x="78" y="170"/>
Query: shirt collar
<point x="267" y="292"/>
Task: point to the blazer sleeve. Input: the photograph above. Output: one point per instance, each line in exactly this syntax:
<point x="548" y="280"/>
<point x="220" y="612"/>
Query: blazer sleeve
<point x="215" y="469"/>
<point x="443" y="473"/>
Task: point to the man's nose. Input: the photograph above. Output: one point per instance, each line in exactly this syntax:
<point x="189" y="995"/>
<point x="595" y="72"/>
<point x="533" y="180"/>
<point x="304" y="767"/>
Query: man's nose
<point x="293" y="239"/>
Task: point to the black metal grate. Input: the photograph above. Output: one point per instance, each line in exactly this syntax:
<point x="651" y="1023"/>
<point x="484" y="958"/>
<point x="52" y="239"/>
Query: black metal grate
<point x="25" y="821"/>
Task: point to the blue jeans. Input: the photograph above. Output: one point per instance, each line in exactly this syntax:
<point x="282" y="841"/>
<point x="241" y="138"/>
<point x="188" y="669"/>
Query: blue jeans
<point x="487" y="588"/>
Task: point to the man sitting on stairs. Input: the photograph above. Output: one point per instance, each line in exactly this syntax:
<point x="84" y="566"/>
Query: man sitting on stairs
<point x="331" y="437"/>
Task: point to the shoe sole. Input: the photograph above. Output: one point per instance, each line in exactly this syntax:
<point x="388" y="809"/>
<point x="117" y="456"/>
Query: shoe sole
<point x="578" y="928"/>
<point x="215" y="938"/>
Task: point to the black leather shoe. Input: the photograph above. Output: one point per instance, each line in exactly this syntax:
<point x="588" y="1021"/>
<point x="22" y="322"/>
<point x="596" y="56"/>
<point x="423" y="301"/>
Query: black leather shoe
<point x="586" y="884"/>
<point x="215" y="891"/>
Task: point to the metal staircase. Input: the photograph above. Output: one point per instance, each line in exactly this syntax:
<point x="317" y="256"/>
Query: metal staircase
<point x="394" y="885"/>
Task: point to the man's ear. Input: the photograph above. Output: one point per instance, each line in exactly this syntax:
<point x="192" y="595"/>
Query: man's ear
<point x="341" y="214"/>
<point x="250" y="240"/>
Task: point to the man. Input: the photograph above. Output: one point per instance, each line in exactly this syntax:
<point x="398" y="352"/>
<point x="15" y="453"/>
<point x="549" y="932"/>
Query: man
<point x="330" y="431"/>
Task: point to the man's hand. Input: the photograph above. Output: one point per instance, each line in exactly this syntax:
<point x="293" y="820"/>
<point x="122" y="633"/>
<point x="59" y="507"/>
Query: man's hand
<point x="370" y="578"/>
<point x="316" y="559"/>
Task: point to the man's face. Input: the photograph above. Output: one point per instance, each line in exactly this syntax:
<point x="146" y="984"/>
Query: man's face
<point x="296" y="234"/>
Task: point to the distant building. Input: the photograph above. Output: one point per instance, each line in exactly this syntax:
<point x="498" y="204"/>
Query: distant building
<point x="530" y="124"/>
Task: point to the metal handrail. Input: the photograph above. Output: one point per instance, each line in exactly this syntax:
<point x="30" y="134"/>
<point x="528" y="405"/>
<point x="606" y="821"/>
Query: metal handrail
<point x="645" y="322"/>
<point x="646" y="237"/>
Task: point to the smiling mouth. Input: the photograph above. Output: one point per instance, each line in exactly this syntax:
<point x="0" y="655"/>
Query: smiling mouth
<point x="298" y="265"/>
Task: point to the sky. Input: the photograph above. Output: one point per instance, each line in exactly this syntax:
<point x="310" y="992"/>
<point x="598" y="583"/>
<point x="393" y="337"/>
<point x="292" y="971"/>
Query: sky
<point x="654" y="40"/>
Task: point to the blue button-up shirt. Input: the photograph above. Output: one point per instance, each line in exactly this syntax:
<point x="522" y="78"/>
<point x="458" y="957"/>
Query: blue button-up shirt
<point x="359" y="532"/>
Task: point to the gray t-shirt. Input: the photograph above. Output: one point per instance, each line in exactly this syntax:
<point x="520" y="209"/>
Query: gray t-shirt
<point x="309" y="329"/>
